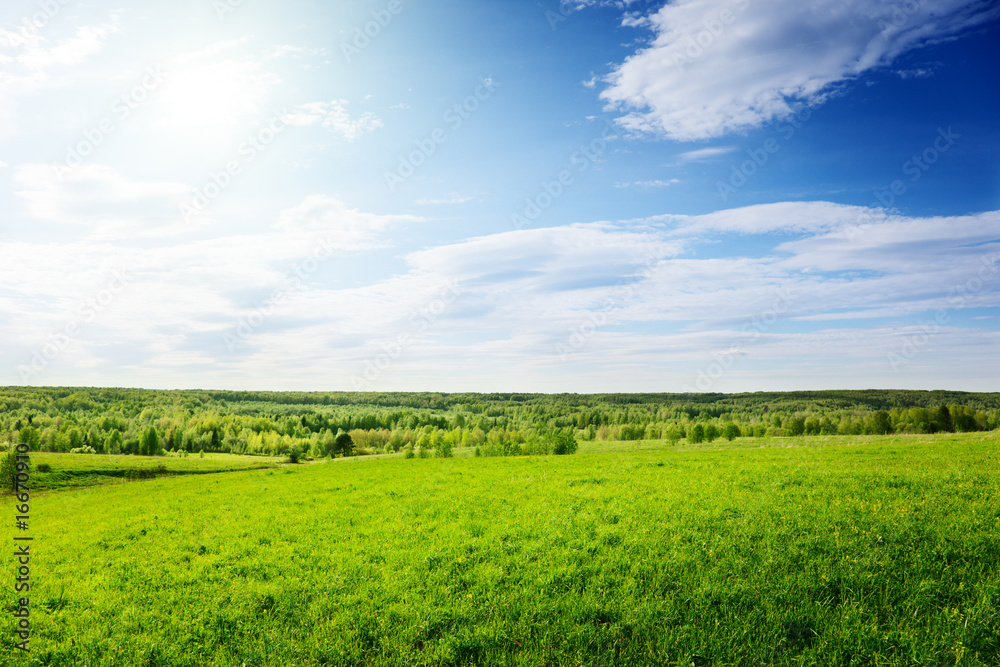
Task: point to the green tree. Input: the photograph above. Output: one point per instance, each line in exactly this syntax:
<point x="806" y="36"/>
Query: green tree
<point x="943" y="420"/>
<point x="563" y="442"/>
<point x="149" y="443"/>
<point x="730" y="431"/>
<point x="329" y="443"/>
<point x="444" y="450"/>
<point x="343" y="445"/>
<point x="675" y="433"/>
<point x="8" y="471"/>
<point x="711" y="432"/>
<point x="881" y="424"/>
<point x="697" y="433"/>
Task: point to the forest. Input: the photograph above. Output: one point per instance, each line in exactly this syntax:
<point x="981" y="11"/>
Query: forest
<point x="317" y="424"/>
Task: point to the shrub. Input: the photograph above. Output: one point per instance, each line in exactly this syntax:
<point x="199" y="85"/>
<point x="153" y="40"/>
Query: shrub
<point x="43" y="467"/>
<point x="8" y="470"/>
<point x="563" y="443"/>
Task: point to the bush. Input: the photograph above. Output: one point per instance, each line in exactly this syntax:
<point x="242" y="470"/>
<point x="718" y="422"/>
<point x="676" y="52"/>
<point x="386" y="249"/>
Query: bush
<point x="43" y="467"/>
<point x="563" y="443"/>
<point x="8" y="471"/>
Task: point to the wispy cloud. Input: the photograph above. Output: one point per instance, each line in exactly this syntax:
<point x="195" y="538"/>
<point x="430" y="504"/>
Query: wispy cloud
<point x="705" y="154"/>
<point x="101" y="200"/>
<point x="716" y="67"/>
<point x="453" y="198"/>
<point x="334" y="115"/>
<point x="521" y="293"/>
<point x="649" y="184"/>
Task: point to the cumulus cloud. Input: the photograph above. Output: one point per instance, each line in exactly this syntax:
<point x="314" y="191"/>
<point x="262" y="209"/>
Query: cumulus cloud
<point x="715" y="67"/>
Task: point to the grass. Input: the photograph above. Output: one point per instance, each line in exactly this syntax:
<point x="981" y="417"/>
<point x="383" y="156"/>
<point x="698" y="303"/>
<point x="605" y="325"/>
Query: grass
<point x="868" y="551"/>
<point x="61" y="471"/>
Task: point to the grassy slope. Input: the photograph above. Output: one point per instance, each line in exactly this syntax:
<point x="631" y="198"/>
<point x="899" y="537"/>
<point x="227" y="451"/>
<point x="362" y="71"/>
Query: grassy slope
<point x="883" y="553"/>
<point x="69" y="470"/>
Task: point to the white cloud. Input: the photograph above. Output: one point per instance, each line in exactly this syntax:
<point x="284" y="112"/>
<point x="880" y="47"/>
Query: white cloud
<point x="333" y="115"/>
<point x="291" y="51"/>
<point x="453" y="198"/>
<point x="353" y="228"/>
<point x="88" y="41"/>
<point x="669" y="294"/>
<point x="726" y="66"/>
<point x="704" y="154"/>
<point x="99" y="198"/>
<point x="649" y="184"/>
<point x="34" y="57"/>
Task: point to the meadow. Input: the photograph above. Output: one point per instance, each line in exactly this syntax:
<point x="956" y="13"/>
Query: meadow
<point x="55" y="470"/>
<point x="873" y="550"/>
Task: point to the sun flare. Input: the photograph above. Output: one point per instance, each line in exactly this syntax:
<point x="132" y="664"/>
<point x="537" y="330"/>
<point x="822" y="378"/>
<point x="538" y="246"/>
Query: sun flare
<point x="208" y="98"/>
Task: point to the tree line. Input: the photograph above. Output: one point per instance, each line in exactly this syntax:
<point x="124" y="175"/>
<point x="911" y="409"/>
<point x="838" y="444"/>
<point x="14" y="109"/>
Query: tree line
<point x="149" y="422"/>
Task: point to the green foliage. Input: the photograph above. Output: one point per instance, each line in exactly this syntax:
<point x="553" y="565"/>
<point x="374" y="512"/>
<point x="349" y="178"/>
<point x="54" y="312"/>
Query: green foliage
<point x="8" y="470"/>
<point x="140" y="422"/>
<point x="444" y="450"/>
<point x="343" y="445"/>
<point x="563" y="442"/>
<point x="697" y="433"/>
<point x="730" y="431"/>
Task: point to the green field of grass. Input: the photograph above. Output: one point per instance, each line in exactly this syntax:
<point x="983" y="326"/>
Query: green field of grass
<point x="69" y="470"/>
<point x="839" y="551"/>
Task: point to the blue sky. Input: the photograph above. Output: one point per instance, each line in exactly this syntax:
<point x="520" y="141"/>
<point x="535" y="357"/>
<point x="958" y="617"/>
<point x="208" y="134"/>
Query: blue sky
<point x="586" y="196"/>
